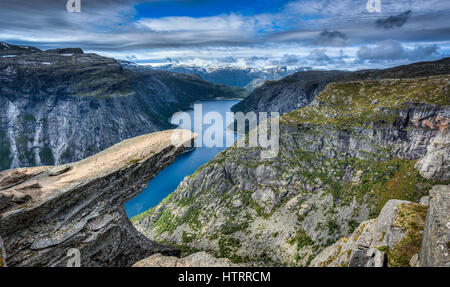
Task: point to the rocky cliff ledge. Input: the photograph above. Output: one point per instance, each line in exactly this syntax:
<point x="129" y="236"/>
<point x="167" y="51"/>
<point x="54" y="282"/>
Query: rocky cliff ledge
<point x="45" y="211"/>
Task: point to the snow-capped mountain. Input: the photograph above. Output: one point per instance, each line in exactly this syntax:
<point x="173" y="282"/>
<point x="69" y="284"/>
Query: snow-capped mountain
<point x="232" y="75"/>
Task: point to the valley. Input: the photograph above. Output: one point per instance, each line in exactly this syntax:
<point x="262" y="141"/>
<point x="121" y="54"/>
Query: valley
<point x="361" y="177"/>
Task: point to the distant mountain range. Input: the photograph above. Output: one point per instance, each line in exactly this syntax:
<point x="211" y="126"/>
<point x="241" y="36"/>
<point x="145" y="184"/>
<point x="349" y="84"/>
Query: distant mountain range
<point x="248" y="78"/>
<point x="63" y="105"/>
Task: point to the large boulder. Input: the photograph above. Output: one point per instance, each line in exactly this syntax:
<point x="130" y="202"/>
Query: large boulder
<point x="436" y="233"/>
<point x="436" y="163"/>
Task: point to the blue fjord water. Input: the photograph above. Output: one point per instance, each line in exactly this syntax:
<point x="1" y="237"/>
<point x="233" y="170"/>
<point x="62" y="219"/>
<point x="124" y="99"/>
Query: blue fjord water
<point x="186" y="164"/>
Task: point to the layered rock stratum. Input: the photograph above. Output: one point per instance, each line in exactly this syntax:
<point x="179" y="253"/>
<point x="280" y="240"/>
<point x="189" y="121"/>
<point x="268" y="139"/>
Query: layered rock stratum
<point x="47" y="211"/>
<point x="342" y="158"/>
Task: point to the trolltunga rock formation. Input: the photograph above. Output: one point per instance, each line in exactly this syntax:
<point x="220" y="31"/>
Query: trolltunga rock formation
<point x="45" y="211"/>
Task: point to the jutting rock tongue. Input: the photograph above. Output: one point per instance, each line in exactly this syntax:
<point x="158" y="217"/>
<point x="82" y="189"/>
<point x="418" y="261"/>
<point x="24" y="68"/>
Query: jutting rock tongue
<point x="46" y="211"/>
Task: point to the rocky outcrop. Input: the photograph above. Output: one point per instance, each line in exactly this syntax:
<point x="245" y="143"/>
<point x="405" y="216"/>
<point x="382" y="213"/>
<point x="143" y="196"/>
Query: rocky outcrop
<point x="436" y="162"/>
<point x="47" y="211"/>
<point x="341" y="159"/>
<point x="199" y="259"/>
<point x="436" y="234"/>
<point x="300" y="89"/>
<point x="289" y="93"/>
<point x="392" y="239"/>
<point x="63" y="105"/>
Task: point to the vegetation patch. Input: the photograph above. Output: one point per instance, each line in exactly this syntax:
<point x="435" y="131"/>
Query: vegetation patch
<point x="46" y="156"/>
<point x="411" y="216"/>
<point x="368" y="103"/>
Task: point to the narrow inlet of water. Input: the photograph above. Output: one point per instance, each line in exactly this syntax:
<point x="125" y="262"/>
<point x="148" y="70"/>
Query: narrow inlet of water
<point x="165" y="182"/>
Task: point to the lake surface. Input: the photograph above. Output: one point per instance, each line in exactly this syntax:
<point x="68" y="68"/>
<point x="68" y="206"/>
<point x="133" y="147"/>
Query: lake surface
<point x="165" y="182"/>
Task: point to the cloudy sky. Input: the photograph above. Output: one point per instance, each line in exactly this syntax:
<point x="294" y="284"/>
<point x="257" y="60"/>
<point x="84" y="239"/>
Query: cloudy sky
<point x="325" y="34"/>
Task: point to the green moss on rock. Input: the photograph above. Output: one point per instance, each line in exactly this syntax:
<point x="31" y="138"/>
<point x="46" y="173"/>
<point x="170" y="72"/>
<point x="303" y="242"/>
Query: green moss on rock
<point x="46" y="156"/>
<point x="410" y="216"/>
<point x="371" y="102"/>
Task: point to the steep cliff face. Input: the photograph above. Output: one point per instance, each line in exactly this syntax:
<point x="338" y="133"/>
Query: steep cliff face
<point x="298" y="90"/>
<point x="46" y="211"/>
<point x="341" y="159"/>
<point x="64" y="105"/>
<point x="435" y="245"/>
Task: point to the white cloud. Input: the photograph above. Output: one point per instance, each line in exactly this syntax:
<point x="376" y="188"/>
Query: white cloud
<point x="224" y="24"/>
<point x="303" y="33"/>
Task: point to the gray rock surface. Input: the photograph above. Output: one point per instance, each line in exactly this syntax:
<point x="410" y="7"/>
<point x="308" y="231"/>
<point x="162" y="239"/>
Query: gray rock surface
<point x="436" y="234"/>
<point x="425" y="200"/>
<point x="436" y="163"/>
<point x="414" y="262"/>
<point x="199" y="259"/>
<point x="82" y="208"/>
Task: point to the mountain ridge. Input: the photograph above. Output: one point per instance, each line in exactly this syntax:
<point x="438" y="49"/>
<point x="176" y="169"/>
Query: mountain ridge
<point x="299" y="89"/>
